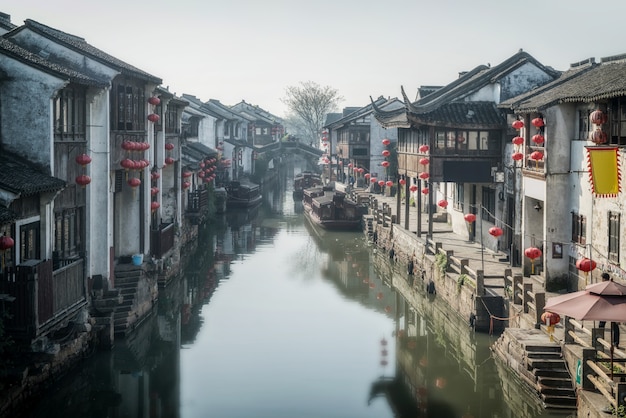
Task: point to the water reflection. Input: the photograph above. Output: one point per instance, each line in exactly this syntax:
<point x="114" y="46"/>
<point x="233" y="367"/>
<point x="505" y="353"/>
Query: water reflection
<point x="276" y="318"/>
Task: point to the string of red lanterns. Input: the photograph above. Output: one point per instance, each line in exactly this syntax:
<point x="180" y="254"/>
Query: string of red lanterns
<point x="598" y="118"/>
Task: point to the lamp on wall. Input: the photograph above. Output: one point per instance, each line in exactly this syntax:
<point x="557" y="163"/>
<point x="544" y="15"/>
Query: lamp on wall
<point x="537" y="207"/>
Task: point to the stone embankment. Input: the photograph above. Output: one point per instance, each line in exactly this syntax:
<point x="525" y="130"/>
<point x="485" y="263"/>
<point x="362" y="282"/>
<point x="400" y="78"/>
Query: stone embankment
<point x="565" y="367"/>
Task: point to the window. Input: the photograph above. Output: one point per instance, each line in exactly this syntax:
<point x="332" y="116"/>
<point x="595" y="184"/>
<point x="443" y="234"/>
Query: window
<point x="617" y="122"/>
<point x="489" y="205"/>
<point x="128" y="108"/>
<point x="583" y="124"/>
<point x="67" y="233"/>
<point x="614" y="237"/>
<point x="171" y="119"/>
<point x="69" y="114"/>
<point x="29" y="242"/>
<point x="579" y="228"/>
<point x="459" y="196"/>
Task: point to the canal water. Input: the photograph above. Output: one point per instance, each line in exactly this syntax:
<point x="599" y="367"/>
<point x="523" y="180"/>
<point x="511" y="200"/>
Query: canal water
<point x="274" y="319"/>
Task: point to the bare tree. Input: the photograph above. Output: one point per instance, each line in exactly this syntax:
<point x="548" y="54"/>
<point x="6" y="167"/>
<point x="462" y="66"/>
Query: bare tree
<point x="310" y="102"/>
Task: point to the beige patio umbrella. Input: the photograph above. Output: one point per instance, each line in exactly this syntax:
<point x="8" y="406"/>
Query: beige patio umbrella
<point x="603" y="301"/>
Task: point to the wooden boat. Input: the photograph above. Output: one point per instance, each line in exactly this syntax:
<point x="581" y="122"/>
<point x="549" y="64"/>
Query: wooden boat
<point x="243" y="194"/>
<point x="305" y="180"/>
<point x="331" y="209"/>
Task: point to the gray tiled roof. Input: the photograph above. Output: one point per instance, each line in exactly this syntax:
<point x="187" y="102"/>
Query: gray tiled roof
<point x="585" y="83"/>
<point x="10" y="49"/>
<point x="448" y="106"/>
<point x="79" y="44"/>
<point x="7" y="215"/>
<point x="18" y="175"/>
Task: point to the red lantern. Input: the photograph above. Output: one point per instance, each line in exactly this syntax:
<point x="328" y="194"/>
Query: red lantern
<point x="385" y="164"/>
<point x="460" y="139"/>
<point x="355" y="169"/>
<point x="361" y="170"/>
<point x="134" y="182"/>
<point x="402" y="182"/>
<point x="495" y="231"/>
<point x="154" y="101"/>
<point x="532" y="253"/>
<point x="154" y="190"/>
<point x="83" y="159"/>
<point x="6" y="243"/>
<point x="537" y="122"/>
<point x="386" y="142"/>
<point x="83" y="180"/>
<point x="598" y="136"/>
<point x="413" y="188"/>
<point x="425" y="190"/>
<point x="155" y="175"/>
<point x="154" y="206"/>
<point x="424" y="148"/>
<point x="386" y="153"/>
<point x="169" y="146"/>
<point x="517" y="156"/>
<point x="538" y="139"/>
<point x="518" y="124"/>
<point x="373" y="179"/>
<point x="598" y="117"/>
<point x="350" y="165"/>
<point x="381" y="183"/>
<point x="470" y="217"/>
<point x="169" y="161"/>
<point x="424" y="161"/>
<point x="128" y="164"/>
<point x="201" y="174"/>
<point x="186" y="174"/>
<point x="585" y="265"/>
<point x="443" y="203"/>
<point x="518" y="140"/>
<point x="536" y="155"/>
<point x="186" y="184"/>
<point x="367" y="175"/>
<point x="424" y="175"/>
<point x="550" y="318"/>
<point x="389" y="183"/>
<point x="153" y="117"/>
<point x="128" y="145"/>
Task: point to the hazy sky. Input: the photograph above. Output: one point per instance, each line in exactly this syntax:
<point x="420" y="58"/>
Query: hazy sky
<point x="253" y="49"/>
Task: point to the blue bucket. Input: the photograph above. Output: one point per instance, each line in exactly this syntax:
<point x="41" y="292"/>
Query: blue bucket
<point x="138" y="259"/>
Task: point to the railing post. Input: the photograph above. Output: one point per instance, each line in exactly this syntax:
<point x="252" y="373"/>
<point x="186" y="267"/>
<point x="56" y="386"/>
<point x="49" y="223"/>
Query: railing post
<point x="464" y="264"/>
<point x="480" y="282"/>
<point x="540" y="303"/>
<point x="588" y="354"/>
<point x="518" y="279"/>
<point x="620" y="397"/>
<point x="525" y="296"/>
<point x="567" y="327"/>
<point x="595" y="334"/>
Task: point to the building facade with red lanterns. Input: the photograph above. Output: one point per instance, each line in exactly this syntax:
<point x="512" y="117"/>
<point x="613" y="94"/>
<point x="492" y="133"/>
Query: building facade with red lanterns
<point x="45" y="172"/>
<point x="354" y="140"/>
<point x="452" y="147"/>
<point x="572" y="137"/>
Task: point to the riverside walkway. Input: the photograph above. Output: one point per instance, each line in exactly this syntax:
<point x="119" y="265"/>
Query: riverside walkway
<point x="574" y="337"/>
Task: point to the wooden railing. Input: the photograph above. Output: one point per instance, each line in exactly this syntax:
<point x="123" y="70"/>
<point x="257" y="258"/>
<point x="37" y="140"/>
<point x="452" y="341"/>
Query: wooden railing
<point x="520" y="293"/>
<point x="596" y="373"/>
<point x="41" y="296"/>
<point x="381" y="213"/>
<point x="162" y="240"/>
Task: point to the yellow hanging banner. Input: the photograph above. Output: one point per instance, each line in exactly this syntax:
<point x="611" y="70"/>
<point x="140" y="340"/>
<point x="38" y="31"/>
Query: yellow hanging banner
<point x="604" y="171"/>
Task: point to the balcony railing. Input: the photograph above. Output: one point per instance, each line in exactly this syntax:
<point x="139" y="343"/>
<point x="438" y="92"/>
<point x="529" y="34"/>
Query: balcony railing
<point x="43" y="297"/>
<point x="162" y="240"/>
